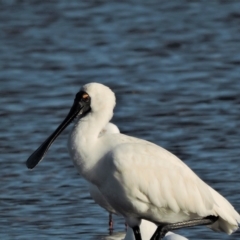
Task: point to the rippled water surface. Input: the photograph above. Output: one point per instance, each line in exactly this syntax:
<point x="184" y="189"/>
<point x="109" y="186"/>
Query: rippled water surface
<point x="175" y="69"/>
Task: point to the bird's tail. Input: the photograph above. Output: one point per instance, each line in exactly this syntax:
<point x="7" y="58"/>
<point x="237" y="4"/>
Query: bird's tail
<point x="229" y="218"/>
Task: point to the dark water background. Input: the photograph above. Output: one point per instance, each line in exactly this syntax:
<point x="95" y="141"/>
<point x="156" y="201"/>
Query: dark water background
<point x="175" y="68"/>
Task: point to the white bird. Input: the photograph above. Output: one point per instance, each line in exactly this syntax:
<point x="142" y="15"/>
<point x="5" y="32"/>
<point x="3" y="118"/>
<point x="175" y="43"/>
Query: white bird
<point x="139" y="179"/>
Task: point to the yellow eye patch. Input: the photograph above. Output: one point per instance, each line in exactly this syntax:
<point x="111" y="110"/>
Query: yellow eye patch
<point x="85" y="96"/>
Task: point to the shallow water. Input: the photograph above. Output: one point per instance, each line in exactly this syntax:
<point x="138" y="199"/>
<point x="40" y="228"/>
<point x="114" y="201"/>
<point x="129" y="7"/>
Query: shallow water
<point x="175" y="69"/>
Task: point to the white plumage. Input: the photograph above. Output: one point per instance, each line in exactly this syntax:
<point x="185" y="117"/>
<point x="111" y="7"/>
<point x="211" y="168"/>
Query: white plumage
<point x="147" y="228"/>
<point x="139" y="179"/>
<point x="96" y="195"/>
<point x="110" y="128"/>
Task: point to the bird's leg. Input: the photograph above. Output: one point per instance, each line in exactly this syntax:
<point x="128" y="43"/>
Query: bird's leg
<point x="110" y="223"/>
<point x="163" y="229"/>
<point x="126" y="226"/>
<point x="137" y="234"/>
<point x="156" y="235"/>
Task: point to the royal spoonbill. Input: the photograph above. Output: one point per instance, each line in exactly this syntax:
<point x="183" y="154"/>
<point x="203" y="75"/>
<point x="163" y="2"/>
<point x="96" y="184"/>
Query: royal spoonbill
<point x="139" y="179"/>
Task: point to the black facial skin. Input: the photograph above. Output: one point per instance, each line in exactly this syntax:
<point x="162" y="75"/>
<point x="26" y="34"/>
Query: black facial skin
<point x="81" y="107"/>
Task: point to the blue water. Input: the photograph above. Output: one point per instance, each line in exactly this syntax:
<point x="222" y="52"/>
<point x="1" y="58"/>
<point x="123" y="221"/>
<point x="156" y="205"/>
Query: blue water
<point x="175" y="68"/>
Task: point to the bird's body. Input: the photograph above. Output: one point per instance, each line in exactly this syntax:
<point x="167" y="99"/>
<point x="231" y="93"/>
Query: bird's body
<point x="148" y="181"/>
<point x="139" y="179"/>
<point x="147" y="228"/>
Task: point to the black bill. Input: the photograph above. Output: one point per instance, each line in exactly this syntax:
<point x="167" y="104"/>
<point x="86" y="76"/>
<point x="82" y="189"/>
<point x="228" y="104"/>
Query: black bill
<point x="81" y="107"/>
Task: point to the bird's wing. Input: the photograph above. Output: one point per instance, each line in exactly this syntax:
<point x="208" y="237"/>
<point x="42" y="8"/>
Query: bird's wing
<point x="153" y="175"/>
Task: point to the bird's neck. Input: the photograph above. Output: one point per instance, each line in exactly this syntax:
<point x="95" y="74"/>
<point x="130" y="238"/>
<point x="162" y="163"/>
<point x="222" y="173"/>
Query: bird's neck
<point x="84" y="143"/>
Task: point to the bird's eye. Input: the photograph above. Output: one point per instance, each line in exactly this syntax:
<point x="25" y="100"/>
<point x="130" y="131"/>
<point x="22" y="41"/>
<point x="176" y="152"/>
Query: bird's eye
<point x="85" y="97"/>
